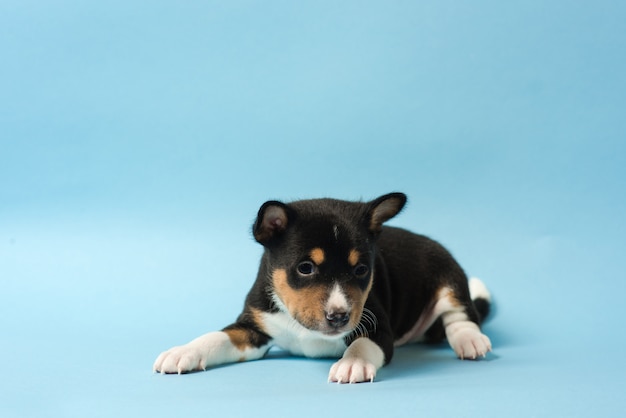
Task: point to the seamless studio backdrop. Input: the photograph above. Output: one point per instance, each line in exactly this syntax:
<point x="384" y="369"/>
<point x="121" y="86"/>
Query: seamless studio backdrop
<point x="138" y="139"/>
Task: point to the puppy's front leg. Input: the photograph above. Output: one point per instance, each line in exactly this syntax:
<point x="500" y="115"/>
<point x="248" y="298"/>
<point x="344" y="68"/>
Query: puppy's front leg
<point x="359" y="363"/>
<point x="212" y="349"/>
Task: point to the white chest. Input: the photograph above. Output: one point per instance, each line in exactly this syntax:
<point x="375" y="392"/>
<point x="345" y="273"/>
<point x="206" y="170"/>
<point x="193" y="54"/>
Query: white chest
<point x="288" y="334"/>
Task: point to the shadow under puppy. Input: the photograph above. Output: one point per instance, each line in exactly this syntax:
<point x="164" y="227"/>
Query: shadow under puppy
<point x="335" y="282"/>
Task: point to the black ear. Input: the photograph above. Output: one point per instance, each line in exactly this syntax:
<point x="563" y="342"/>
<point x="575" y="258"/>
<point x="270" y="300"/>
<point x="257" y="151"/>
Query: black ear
<point x="382" y="209"/>
<point x="271" y="221"/>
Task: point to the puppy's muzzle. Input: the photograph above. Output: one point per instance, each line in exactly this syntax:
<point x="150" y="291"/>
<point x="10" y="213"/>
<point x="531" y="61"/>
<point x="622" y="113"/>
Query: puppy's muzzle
<point x="337" y="319"/>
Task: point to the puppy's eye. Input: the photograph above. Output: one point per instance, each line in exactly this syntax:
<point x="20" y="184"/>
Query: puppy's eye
<point x="306" y="268"/>
<point x="361" y="271"/>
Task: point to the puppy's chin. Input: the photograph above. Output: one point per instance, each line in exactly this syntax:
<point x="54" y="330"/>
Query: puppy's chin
<point x="328" y="331"/>
<point x="335" y="332"/>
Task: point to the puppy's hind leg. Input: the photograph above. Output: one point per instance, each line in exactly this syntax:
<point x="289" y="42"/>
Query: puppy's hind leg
<point x="463" y="333"/>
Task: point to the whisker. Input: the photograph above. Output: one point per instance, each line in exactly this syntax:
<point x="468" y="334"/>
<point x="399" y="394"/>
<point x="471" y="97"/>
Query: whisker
<point x="367" y="323"/>
<point x="370" y="318"/>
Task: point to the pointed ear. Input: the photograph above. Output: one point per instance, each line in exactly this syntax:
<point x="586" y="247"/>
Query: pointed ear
<point x="382" y="209"/>
<point x="271" y="221"/>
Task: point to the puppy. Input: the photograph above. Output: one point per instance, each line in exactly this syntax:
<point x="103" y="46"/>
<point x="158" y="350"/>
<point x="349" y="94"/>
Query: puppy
<point x="335" y="282"/>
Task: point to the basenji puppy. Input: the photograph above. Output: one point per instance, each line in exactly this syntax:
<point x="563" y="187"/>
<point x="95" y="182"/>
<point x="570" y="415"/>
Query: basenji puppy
<point x="335" y="282"/>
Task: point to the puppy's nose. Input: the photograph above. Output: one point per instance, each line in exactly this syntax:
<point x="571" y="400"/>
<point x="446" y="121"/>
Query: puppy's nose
<point x="337" y="319"/>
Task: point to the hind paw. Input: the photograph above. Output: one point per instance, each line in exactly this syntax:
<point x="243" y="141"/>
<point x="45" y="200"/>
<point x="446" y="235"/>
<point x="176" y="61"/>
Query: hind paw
<point x="468" y="342"/>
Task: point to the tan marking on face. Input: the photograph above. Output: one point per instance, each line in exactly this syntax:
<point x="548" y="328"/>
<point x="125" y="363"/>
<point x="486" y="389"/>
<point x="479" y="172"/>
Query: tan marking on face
<point x="353" y="258"/>
<point x="305" y="305"/>
<point x="317" y="255"/>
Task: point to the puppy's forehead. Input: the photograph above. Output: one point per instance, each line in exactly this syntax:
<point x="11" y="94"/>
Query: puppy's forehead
<point x="332" y="226"/>
<point x="327" y="233"/>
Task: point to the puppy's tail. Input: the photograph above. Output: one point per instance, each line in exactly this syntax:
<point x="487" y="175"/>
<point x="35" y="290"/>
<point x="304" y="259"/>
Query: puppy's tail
<point x="481" y="297"/>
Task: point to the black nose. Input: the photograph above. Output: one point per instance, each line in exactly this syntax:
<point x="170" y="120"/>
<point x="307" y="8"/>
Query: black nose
<point x="337" y="319"/>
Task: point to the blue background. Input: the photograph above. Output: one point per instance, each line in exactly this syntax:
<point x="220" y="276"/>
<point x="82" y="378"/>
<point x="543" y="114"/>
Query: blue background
<point x="138" y="140"/>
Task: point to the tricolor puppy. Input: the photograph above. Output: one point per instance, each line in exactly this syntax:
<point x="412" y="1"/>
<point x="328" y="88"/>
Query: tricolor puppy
<point x="335" y="282"/>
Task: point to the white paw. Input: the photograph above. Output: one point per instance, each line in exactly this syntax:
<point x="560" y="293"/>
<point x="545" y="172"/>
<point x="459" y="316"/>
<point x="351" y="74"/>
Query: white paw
<point x="181" y="359"/>
<point x="352" y="370"/>
<point x="469" y="343"/>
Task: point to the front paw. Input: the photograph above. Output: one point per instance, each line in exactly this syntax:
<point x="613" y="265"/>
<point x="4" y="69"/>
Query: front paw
<point x="181" y="359"/>
<point x="352" y="370"/>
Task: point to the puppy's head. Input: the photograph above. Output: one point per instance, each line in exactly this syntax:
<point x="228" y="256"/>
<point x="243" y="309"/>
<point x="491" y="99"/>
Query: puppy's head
<point x="319" y="256"/>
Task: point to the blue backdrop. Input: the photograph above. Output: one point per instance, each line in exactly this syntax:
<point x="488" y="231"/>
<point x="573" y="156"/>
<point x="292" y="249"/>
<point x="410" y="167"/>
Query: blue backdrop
<point x="138" y="139"/>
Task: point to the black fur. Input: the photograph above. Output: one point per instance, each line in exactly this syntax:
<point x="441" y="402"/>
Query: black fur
<point x="408" y="268"/>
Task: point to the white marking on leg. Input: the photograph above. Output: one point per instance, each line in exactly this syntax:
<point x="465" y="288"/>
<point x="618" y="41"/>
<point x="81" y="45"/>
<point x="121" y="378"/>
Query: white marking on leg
<point x="211" y="349"/>
<point x="359" y="363"/>
<point x="464" y="335"/>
